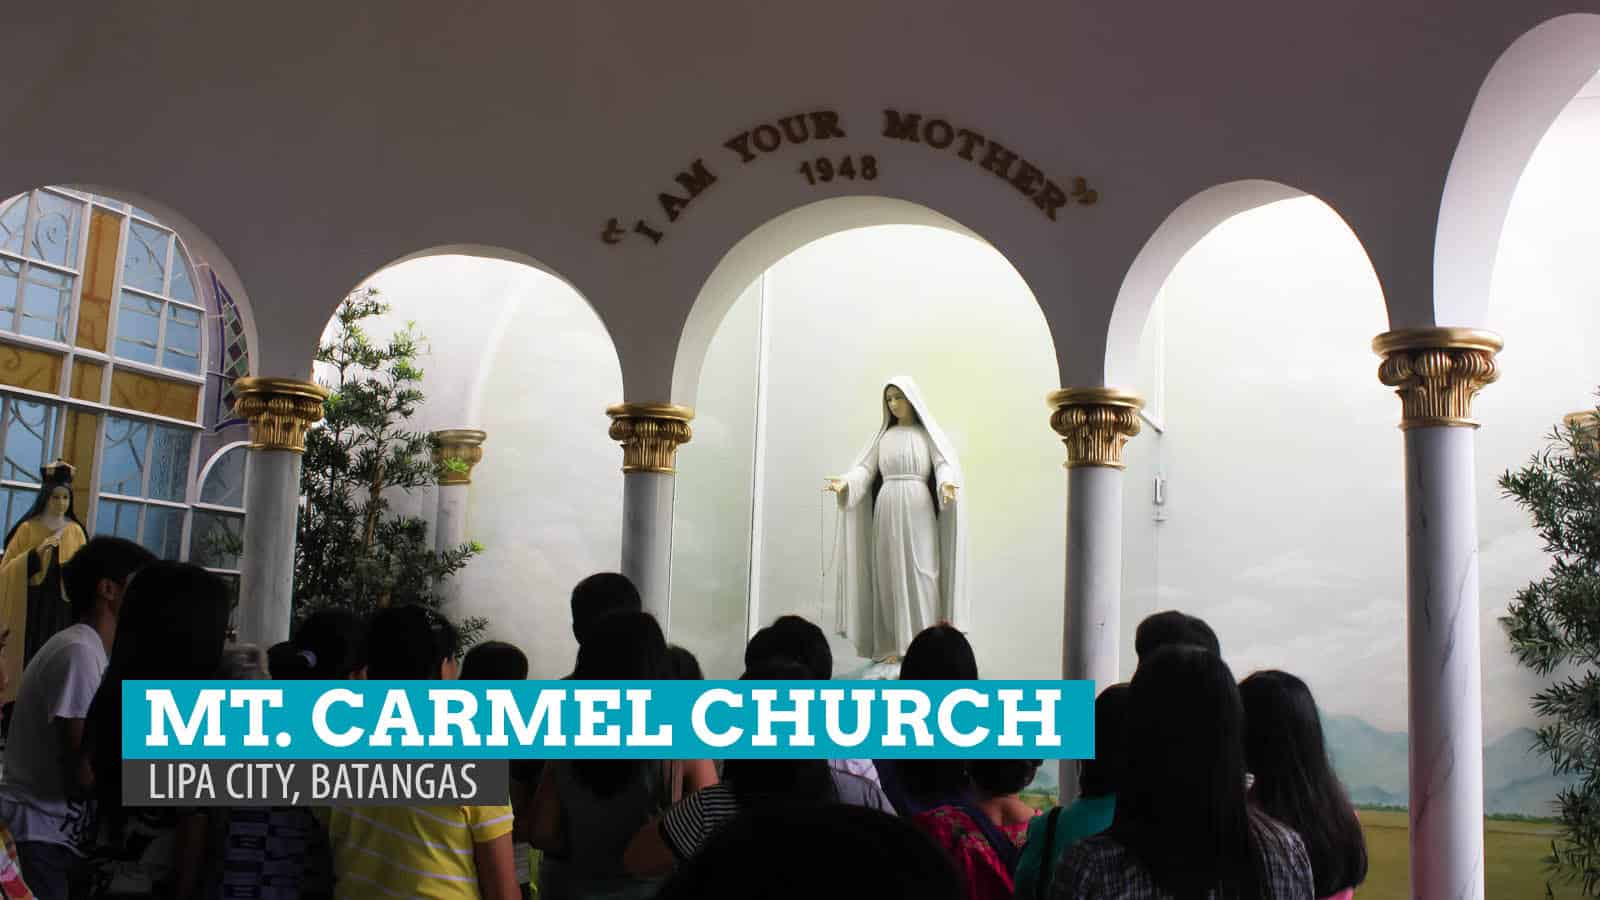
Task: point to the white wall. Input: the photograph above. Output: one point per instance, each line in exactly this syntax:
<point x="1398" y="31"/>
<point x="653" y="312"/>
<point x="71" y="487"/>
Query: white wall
<point x="547" y="499"/>
<point x="713" y="498"/>
<point x="845" y="313"/>
<point x="1285" y="526"/>
<point x="546" y="502"/>
<point x="1543" y="302"/>
<point x="1285" y="522"/>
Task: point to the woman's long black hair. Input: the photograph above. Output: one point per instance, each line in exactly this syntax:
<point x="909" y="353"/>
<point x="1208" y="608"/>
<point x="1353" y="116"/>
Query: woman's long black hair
<point x="788" y="781"/>
<point x="937" y="653"/>
<point x="1103" y="775"/>
<point x="621" y="646"/>
<point x="172" y="626"/>
<point x="1294" y="779"/>
<point x="51" y="477"/>
<point x="1182" y="809"/>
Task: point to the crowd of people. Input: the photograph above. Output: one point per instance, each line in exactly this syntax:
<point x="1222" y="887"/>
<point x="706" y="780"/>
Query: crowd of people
<point x="1201" y="786"/>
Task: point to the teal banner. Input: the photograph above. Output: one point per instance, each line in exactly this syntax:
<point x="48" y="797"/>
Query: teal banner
<point x="460" y="720"/>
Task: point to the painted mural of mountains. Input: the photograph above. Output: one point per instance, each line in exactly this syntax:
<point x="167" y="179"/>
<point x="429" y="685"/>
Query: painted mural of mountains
<point x="1372" y="763"/>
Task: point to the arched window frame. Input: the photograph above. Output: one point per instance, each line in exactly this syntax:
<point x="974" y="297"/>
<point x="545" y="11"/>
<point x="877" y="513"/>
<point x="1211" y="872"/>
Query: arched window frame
<point x="204" y="510"/>
<point x="76" y="377"/>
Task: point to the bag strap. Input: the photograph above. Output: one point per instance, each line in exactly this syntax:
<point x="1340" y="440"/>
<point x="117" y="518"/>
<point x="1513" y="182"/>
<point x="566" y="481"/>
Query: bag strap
<point x="1047" y="858"/>
<point x="996" y="838"/>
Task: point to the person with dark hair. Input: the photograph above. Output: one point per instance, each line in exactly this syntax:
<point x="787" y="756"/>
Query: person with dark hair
<point x="494" y="661"/>
<point x="997" y="784"/>
<point x="1051" y="834"/>
<point x="461" y="851"/>
<point x="500" y="661"/>
<point x="779" y="783"/>
<point x="44" y="795"/>
<point x="586" y="810"/>
<point x="402" y="645"/>
<point x="938" y="653"/>
<point x="983" y="831"/>
<point x="795" y="638"/>
<point x="447" y="646"/>
<point x="172" y="626"/>
<point x="599" y="595"/>
<point x="1184" y="826"/>
<point x="329" y="645"/>
<point x="682" y="665"/>
<point x="1295" y="782"/>
<point x="830" y="851"/>
<point x="800" y="640"/>
<point x="1173" y="627"/>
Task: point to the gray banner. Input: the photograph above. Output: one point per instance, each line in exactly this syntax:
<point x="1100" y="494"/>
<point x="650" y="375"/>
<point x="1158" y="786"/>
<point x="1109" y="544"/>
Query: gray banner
<point x="310" y="782"/>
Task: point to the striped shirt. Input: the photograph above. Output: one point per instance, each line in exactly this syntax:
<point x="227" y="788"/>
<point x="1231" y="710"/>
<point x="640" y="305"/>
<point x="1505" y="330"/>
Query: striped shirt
<point x="1099" y="866"/>
<point x="410" y="851"/>
<point x="691" y="821"/>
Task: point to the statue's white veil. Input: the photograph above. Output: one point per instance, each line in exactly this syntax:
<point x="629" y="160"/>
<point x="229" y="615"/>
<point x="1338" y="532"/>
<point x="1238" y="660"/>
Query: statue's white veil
<point x="855" y="591"/>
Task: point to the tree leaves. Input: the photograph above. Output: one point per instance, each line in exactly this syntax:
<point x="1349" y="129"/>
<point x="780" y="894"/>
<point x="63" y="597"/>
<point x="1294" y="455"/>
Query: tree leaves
<point x="353" y="550"/>
<point x="1554" y="623"/>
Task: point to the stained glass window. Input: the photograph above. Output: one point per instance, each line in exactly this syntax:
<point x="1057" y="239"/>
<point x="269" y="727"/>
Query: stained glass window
<point x="128" y="283"/>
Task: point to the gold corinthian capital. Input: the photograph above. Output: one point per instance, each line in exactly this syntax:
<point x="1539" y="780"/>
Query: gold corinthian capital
<point x="1585" y="425"/>
<point x="1437" y="372"/>
<point x="650" y="434"/>
<point x="1095" y="424"/>
<point x="457" y="445"/>
<point x="279" y="410"/>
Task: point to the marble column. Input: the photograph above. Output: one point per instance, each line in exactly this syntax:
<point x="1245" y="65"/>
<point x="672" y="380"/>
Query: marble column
<point x="1095" y="424"/>
<point x="650" y="434"/>
<point x="279" y="410"/>
<point x="456" y="451"/>
<point x="1437" y="372"/>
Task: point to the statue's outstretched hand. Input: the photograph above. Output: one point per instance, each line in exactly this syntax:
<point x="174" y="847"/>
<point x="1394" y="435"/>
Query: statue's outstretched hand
<point x="836" y="485"/>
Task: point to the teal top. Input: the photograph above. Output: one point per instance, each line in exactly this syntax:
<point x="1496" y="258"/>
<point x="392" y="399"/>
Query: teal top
<point x="1085" y="818"/>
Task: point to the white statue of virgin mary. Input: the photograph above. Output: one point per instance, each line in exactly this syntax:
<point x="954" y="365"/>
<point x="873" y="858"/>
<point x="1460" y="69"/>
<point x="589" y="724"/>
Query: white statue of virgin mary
<point x="901" y="550"/>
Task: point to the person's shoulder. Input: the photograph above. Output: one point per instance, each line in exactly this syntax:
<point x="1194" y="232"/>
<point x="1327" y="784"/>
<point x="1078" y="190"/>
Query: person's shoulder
<point x="1273" y="829"/>
<point x="848" y="780"/>
<point x="78" y="641"/>
<point x="73" y="645"/>
<point x="859" y="790"/>
<point x="1277" y="838"/>
<point x="1086" y="809"/>
<point x="719" y="794"/>
<point x="1096" y="846"/>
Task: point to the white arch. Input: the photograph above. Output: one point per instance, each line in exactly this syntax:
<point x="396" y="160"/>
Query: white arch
<point x="1528" y="87"/>
<point x="465" y="391"/>
<point x="1177" y="234"/>
<point x="777" y="238"/>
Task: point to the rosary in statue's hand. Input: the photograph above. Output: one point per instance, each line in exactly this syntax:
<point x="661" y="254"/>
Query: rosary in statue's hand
<point x="947" y="493"/>
<point x="835" y="485"/>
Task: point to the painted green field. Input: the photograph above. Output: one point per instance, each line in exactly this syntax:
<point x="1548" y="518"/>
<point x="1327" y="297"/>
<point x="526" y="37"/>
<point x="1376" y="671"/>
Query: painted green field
<point x="1512" y="852"/>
